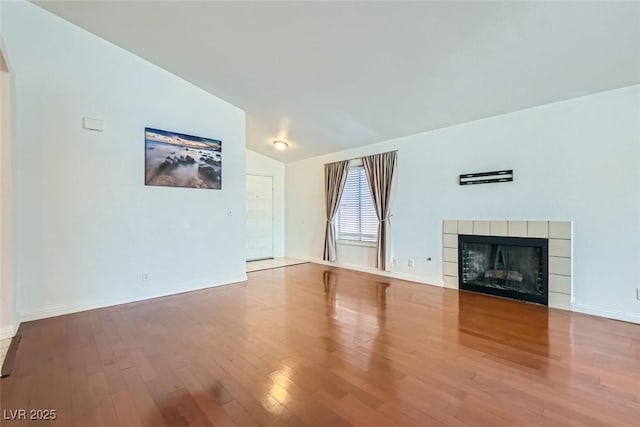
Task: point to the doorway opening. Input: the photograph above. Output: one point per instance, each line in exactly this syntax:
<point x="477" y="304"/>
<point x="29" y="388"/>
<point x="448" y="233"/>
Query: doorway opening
<point x="259" y="217"/>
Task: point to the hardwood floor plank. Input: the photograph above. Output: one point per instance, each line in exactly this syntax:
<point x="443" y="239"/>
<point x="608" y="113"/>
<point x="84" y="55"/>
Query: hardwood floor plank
<point x="205" y="400"/>
<point x="240" y="416"/>
<point x="146" y="407"/>
<point x="126" y="409"/>
<point x="189" y="409"/>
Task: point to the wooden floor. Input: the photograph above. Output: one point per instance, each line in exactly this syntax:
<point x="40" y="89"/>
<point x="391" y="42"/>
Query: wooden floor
<point x="313" y="345"/>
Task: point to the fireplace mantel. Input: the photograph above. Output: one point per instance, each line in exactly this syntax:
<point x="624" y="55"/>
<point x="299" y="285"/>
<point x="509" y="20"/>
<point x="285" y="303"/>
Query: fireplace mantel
<point x="558" y="233"/>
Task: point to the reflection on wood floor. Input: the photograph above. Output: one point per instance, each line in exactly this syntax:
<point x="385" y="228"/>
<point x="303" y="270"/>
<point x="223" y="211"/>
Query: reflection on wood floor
<point x="315" y="345"/>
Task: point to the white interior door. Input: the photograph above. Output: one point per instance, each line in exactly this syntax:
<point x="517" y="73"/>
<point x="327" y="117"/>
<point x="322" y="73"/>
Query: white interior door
<point x="259" y="217"/>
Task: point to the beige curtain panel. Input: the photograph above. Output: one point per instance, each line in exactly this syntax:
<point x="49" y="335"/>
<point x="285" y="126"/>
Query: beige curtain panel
<point x="380" y="170"/>
<point x="335" y="176"/>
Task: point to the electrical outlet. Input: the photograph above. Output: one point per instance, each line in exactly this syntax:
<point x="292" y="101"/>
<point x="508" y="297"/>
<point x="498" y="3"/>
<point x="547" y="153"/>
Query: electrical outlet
<point x="638" y="294"/>
<point x="394" y="260"/>
<point x="411" y="262"/>
<point x="145" y="277"/>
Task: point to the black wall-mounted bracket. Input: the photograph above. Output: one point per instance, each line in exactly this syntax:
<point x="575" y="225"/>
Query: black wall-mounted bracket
<point x="486" y="177"/>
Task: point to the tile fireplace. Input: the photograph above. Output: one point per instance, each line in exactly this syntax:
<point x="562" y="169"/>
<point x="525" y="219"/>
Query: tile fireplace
<point x="527" y="260"/>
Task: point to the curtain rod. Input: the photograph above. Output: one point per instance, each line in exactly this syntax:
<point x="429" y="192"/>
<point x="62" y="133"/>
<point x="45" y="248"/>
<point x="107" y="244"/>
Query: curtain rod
<point x="359" y="157"/>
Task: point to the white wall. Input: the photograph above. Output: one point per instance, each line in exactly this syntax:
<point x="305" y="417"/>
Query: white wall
<point x="574" y="160"/>
<point x="86" y="226"/>
<point x="8" y="319"/>
<point x="258" y="164"/>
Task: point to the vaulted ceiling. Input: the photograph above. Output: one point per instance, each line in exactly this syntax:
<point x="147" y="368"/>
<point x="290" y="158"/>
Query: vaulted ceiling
<point x="330" y="76"/>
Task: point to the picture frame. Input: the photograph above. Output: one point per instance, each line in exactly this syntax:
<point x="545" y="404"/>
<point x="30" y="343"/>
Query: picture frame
<point x="174" y="159"/>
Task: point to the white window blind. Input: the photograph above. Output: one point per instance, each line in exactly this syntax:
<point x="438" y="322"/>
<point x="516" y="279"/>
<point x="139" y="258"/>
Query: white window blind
<point x="356" y="217"/>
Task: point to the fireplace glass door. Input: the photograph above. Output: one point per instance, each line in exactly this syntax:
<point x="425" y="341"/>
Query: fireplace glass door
<point x="506" y="266"/>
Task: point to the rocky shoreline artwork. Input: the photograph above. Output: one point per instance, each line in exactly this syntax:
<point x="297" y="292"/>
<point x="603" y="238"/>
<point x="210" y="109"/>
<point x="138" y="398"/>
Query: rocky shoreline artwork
<point x="176" y="160"/>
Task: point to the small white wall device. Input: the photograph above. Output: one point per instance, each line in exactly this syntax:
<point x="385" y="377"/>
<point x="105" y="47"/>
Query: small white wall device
<point x="92" y="124"/>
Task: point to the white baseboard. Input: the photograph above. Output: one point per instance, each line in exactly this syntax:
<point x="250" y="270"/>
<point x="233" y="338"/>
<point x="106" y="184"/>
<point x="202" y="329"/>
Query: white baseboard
<point x="9" y="331"/>
<point x="604" y="312"/>
<point x="75" y="308"/>
<point x="401" y="276"/>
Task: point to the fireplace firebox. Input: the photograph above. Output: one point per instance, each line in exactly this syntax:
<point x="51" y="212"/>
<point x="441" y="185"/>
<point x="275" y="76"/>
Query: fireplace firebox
<point x="512" y="267"/>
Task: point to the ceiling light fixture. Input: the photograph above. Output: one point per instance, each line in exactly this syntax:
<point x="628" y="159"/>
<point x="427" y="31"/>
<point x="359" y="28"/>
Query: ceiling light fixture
<point x="280" y="145"/>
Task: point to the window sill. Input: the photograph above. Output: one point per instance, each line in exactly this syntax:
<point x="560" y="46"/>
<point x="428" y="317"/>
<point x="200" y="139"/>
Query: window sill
<point x="356" y="243"/>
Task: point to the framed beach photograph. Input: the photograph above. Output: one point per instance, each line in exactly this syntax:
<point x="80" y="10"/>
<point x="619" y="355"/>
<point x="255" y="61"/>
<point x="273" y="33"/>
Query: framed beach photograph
<point x="174" y="159"/>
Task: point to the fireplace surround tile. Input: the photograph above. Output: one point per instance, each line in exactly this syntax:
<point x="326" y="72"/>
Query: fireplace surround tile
<point x="451" y="282"/>
<point x="558" y="300"/>
<point x="498" y="228"/>
<point x="560" y="248"/>
<point x="451" y="254"/>
<point x="450" y="226"/>
<point x="481" y="228"/>
<point x="560" y="229"/>
<point x="517" y="229"/>
<point x="560" y="265"/>
<point x="538" y="229"/>
<point x="559" y="284"/>
<point x="450" y="241"/>
<point x="465" y="227"/>
<point x="451" y="269"/>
